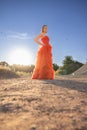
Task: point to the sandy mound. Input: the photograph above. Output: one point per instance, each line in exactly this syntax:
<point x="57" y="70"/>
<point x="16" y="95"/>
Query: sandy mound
<point x="82" y="71"/>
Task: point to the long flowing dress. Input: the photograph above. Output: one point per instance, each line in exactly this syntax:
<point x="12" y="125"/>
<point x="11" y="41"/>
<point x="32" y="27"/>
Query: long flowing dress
<point x="43" y="66"/>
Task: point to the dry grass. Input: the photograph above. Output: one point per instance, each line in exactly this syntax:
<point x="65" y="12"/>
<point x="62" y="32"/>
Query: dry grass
<point x="5" y="73"/>
<point x="23" y="74"/>
<point x="4" y="67"/>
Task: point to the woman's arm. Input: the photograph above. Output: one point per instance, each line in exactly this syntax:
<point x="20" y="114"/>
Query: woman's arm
<point x="37" y="38"/>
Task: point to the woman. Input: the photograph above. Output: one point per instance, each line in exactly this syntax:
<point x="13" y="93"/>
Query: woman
<point x="43" y="66"/>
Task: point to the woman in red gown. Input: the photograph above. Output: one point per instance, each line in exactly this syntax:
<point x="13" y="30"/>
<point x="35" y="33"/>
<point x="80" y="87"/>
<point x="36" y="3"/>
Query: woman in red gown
<point x="43" y="66"/>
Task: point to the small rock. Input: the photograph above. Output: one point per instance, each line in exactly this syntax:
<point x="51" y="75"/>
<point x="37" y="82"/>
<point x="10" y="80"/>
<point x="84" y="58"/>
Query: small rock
<point x="33" y="128"/>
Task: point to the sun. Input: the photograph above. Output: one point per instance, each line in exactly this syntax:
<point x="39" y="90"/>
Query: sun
<point x="21" y="56"/>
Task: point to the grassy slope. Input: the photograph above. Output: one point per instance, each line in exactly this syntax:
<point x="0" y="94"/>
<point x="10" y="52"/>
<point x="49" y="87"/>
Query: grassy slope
<point x="5" y="72"/>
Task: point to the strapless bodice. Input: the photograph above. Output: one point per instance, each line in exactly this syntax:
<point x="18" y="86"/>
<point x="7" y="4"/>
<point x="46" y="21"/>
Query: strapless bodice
<point x="46" y="41"/>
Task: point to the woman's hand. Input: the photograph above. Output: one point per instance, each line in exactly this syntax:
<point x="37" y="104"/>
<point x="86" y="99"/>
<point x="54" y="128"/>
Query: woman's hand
<point x="37" y="38"/>
<point x="43" y="44"/>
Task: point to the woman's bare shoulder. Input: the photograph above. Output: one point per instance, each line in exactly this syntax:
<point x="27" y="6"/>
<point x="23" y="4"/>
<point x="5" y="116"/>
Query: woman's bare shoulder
<point x="41" y="35"/>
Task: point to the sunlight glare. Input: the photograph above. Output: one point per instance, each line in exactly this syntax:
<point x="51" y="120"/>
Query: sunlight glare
<point x="21" y="56"/>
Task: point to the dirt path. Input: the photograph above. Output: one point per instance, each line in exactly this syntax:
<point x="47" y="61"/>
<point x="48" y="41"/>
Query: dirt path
<point x="59" y="104"/>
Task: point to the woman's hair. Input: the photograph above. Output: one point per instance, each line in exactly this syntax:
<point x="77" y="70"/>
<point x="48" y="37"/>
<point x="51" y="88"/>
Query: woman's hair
<point x="43" y="27"/>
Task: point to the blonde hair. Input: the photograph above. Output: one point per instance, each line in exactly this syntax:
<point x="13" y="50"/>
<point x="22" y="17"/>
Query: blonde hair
<point x="43" y="28"/>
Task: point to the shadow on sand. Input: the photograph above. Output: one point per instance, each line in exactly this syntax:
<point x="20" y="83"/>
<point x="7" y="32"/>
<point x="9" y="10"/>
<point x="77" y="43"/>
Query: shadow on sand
<point x="70" y="84"/>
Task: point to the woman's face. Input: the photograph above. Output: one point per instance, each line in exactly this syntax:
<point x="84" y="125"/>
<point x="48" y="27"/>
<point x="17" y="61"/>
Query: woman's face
<point x="45" y="29"/>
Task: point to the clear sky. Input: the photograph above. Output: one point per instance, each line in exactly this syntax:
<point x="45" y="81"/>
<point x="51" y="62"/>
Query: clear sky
<point x="21" y="21"/>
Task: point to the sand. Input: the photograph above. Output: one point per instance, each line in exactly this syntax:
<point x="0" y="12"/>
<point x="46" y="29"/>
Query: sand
<point x="59" y="104"/>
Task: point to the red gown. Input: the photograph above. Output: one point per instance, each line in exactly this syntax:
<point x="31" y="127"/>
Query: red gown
<point x="43" y="66"/>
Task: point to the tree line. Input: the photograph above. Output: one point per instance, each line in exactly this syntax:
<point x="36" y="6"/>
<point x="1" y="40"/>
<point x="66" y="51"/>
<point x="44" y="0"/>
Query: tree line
<point x="69" y="65"/>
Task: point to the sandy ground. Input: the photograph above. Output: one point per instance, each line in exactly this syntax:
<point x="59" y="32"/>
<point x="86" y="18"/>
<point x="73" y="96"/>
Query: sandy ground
<point x="59" y="104"/>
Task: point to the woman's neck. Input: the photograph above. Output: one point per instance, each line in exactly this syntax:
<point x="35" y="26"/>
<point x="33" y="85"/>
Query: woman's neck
<point x="44" y="34"/>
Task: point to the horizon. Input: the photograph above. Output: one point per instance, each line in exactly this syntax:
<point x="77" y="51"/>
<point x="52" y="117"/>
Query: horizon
<point x="34" y="64"/>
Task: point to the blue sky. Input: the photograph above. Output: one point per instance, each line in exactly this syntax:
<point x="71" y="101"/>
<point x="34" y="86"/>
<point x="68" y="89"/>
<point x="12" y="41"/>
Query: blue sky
<point x="21" y="21"/>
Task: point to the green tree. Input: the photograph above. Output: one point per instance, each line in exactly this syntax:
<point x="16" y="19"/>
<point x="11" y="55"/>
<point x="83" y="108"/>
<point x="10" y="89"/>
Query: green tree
<point x="68" y="60"/>
<point x="55" y="66"/>
<point x="69" y="65"/>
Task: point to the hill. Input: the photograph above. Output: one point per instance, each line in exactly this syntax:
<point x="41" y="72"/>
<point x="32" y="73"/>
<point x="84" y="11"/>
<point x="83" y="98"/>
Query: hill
<point x="82" y="71"/>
